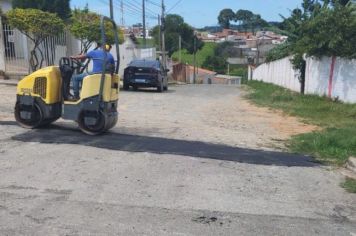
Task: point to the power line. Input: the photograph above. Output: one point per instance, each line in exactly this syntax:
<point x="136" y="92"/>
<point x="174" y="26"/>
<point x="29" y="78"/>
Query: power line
<point x="179" y="1"/>
<point x="122" y="13"/>
<point x="136" y="5"/>
<point x="130" y="9"/>
<point x="153" y="12"/>
<point x="154" y="3"/>
<point x="132" y="6"/>
<point x="144" y="23"/>
<point x="103" y="1"/>
<point x="138" y="9"/>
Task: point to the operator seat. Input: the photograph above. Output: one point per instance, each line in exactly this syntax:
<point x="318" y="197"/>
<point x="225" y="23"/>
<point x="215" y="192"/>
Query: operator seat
<point x="66" y="73"/>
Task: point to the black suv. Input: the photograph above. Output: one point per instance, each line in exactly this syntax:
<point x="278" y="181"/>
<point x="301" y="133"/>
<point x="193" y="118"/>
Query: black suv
<point x="145" y="73"/>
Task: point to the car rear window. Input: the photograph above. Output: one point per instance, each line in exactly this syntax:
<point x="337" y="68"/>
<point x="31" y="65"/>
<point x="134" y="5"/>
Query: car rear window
<point x="145" y="64"/>
<point x="139" y="70"/>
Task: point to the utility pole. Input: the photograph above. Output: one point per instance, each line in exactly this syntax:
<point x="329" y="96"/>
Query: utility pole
<point x="163" y="25"/>
<point x="144" y="22"/>
<point x="195" y="59"/>
<point x="180" y="48"/>
<point x="259" y="43"/>
<point x="258" y="53"/>
<point x="159" y="33"/>
<point x="111" y="10"/>
<point x="122" y="13"/>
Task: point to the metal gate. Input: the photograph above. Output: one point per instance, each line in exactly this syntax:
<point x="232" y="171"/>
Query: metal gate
<point x="53" y="49"/>
<point x="17" y="50"/>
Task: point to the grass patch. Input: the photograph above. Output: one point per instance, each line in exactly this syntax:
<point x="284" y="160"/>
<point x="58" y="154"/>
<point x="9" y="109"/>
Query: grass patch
<point x="332" y="145"/>
<point x="150" y="43"/>
<point x="349" y="185"/>
<point x="207" y="50"/>
<point x="315" y="110"/>
<point x="335" y="143"/>
<point x="239" y="70"/>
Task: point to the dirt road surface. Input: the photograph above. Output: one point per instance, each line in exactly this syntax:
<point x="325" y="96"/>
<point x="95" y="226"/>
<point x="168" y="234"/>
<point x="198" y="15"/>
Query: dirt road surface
<point x="198" y="160"/>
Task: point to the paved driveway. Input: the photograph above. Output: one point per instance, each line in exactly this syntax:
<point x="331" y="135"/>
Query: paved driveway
<point x="198" y="160"/>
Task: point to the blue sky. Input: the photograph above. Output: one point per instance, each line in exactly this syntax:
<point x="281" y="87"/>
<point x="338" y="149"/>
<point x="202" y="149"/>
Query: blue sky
<point x="197" y="13"/>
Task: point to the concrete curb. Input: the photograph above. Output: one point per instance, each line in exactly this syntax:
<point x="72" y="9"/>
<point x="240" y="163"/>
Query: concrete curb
<point x="10" y="82"/>
<point x="176" y="83"/>
<point x="350" y="168"/>
<point x="347" y="173"/>
<point x="351" y="164"/>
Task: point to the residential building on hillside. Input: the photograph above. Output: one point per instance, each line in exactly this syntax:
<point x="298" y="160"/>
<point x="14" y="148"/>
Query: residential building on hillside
<point x="249" y="48"/>
<point x="137" y="31"/>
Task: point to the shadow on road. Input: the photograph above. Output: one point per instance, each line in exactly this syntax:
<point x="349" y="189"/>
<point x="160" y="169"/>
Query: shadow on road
<point x="7" y="122"/>
<point x="55" y="134"/>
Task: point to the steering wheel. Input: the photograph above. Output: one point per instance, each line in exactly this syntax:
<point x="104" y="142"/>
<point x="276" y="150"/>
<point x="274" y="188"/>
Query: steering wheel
<point x="76" y="64"/>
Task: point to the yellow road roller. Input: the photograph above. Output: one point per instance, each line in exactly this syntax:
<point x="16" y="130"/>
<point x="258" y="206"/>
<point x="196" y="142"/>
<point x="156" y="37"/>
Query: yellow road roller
<point x="44" y="96"/>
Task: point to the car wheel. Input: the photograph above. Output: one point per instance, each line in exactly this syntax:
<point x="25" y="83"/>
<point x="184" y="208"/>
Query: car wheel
<point x="135" y="88"/>
<point x="160" y="87"/>
<point x="166" y="87"/>
<point x="126" y="86"/>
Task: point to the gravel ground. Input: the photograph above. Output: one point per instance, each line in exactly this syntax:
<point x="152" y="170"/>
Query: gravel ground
<point x="198" y="160"/>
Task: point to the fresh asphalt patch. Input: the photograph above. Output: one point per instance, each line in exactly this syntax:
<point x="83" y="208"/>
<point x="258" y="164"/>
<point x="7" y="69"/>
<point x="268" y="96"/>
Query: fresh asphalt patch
<point x="55" y="134"/>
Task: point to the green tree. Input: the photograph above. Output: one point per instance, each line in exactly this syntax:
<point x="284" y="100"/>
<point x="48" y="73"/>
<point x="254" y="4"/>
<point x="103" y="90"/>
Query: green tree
<point x="174" y="27"/>
<point x="279" y="52"/>
<point x="336" y="2"/>
<point x="225" y="17"/>
<point x="218" y="62"/>
<point x="249" y="20"/>
<point x="85" y="26"/>
<point x="256" y="22"/>
<point x="215" y="63"/>
<point x="244" y="17"/>
<point x="60" y="7"/>
<point x="321" y="29"/>
<point x="330" y="33"/>
<point x="37" y="26"/>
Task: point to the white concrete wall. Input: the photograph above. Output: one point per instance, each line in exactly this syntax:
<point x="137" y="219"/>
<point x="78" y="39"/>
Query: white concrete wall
<point x="2" y="48"/>
<point x="319" y="79"/>
<point x="343" y="79"/>
<point x="279" y="72"/>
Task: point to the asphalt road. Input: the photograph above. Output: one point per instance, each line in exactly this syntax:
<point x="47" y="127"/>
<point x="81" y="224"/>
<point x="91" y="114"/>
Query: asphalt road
<point x="197" y="160"/>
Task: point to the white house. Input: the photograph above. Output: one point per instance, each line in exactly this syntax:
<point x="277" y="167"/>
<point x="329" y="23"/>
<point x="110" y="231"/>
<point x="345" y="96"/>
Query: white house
<point x="5" y="6"/>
